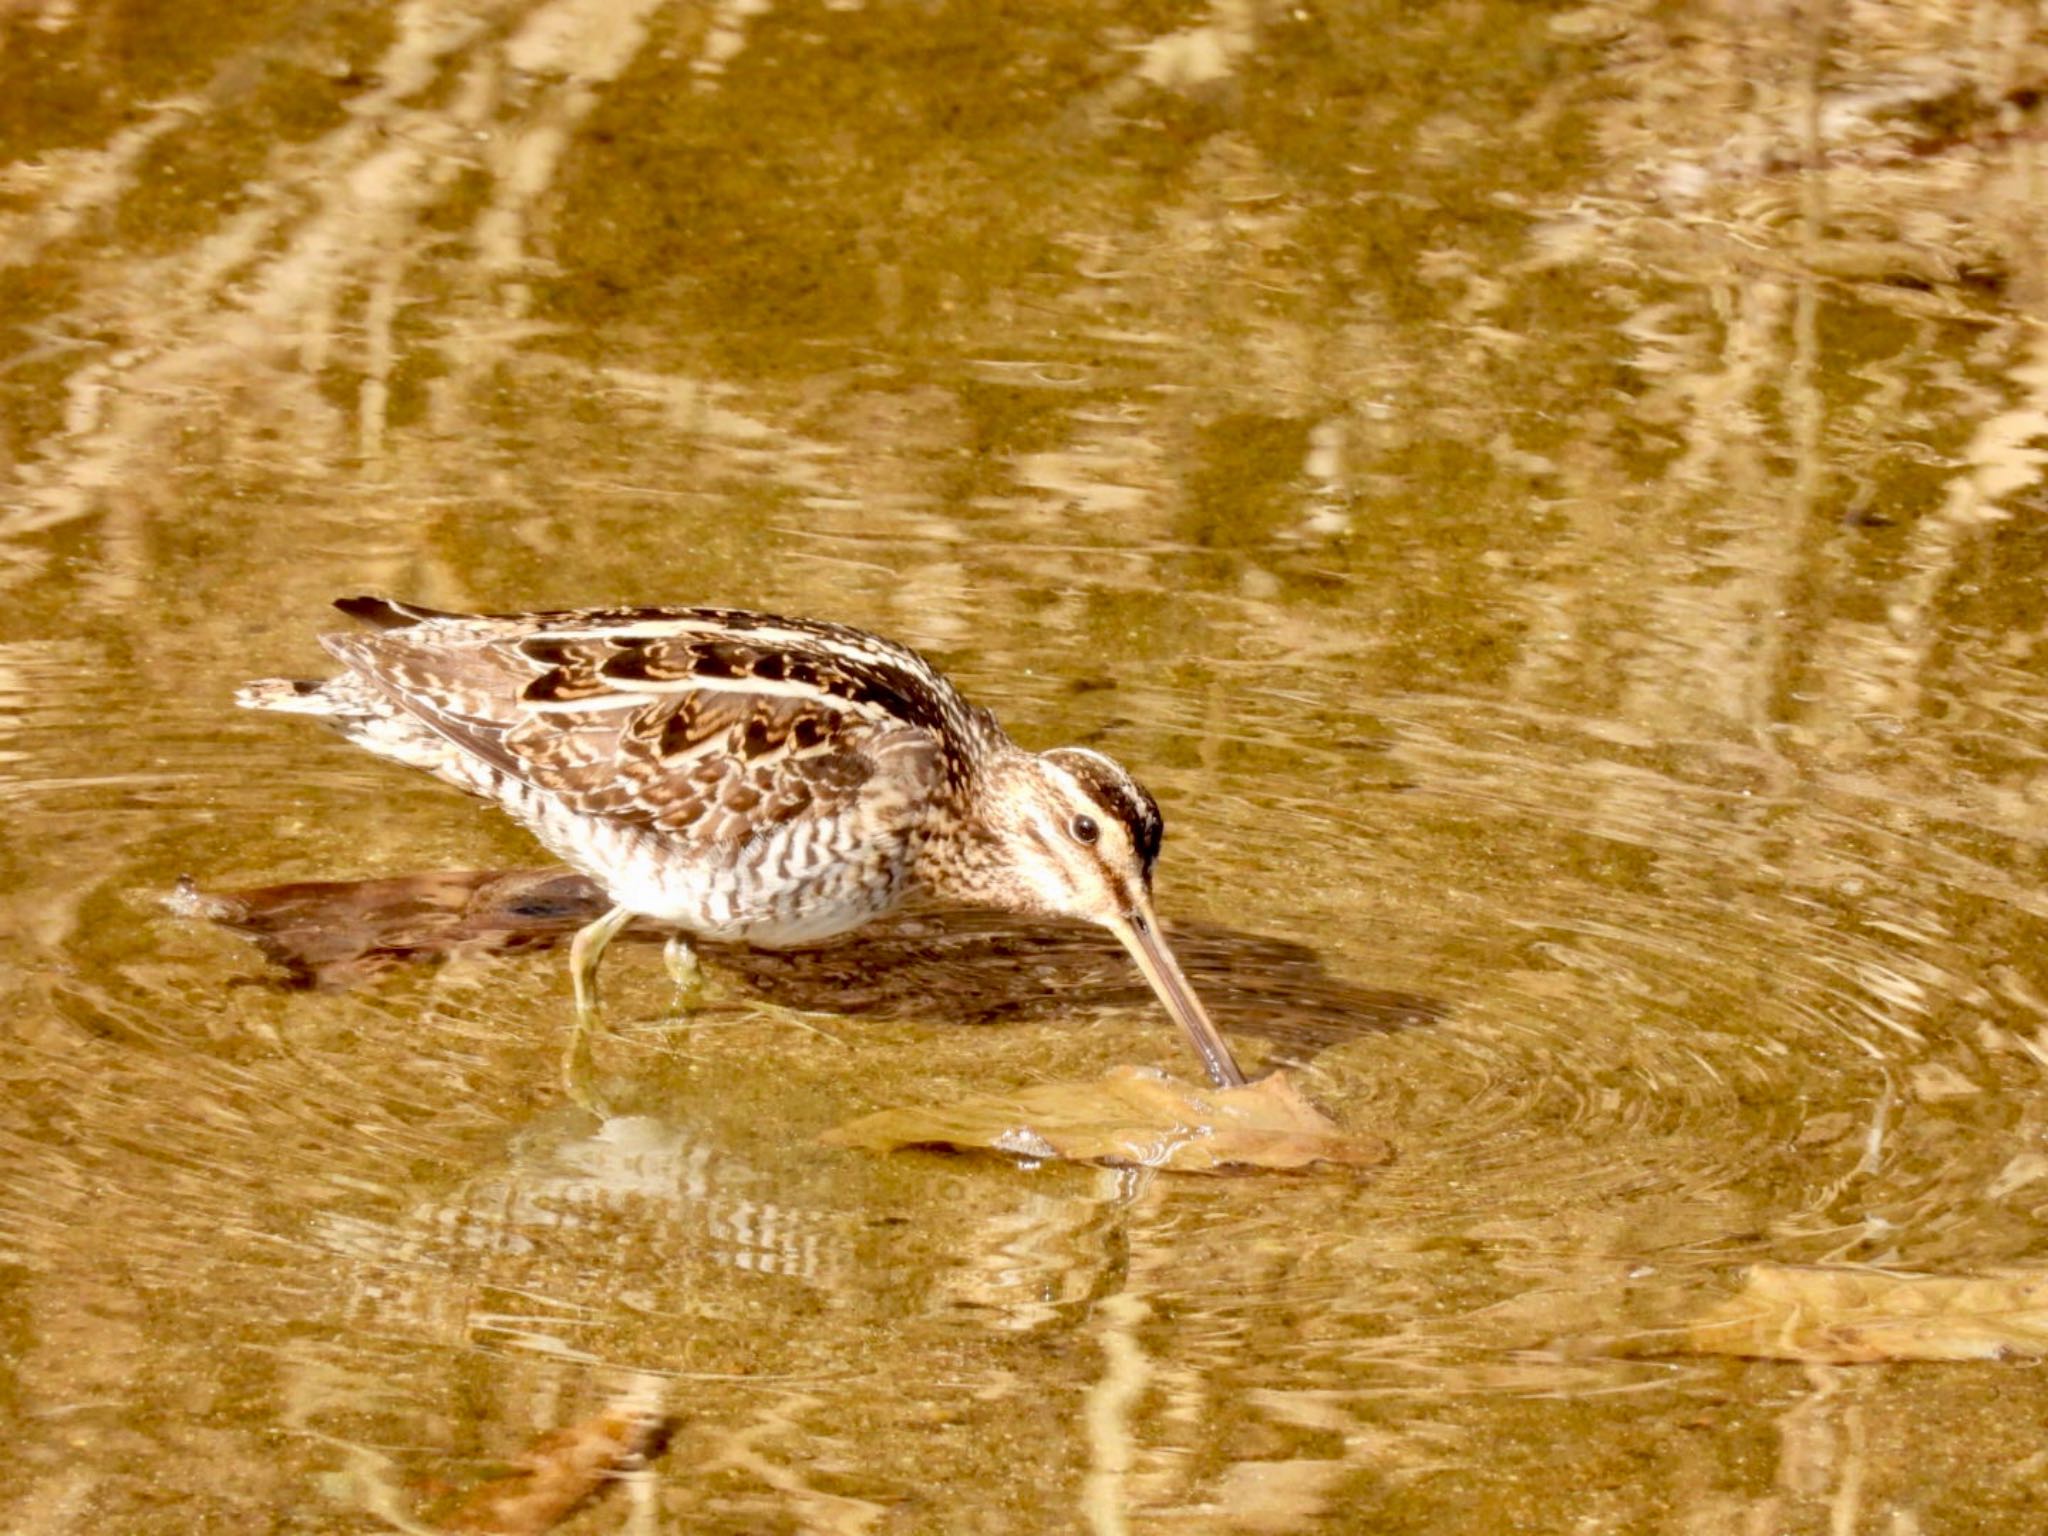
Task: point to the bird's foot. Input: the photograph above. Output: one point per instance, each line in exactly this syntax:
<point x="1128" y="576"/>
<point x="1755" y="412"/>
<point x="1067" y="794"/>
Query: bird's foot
<point x="679" y="959"/>
<point x="579" y="1066"/>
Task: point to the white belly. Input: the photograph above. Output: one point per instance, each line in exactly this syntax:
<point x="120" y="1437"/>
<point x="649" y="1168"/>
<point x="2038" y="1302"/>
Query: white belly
<point x="794" y="885"/>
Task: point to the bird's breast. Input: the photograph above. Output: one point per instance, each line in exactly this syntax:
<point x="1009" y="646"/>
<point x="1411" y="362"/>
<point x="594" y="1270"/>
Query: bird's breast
<point x="796" y="883"/>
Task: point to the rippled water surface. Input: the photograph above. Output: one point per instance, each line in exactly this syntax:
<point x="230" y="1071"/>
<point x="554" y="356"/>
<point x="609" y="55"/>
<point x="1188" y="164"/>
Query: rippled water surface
<point x="1550" y="498"/>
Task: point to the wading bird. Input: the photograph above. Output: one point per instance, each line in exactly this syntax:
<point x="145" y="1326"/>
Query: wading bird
<point x="738" y="776"/>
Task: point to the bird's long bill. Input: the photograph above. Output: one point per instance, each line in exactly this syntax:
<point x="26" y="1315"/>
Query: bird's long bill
<point x="1140" y="935"/>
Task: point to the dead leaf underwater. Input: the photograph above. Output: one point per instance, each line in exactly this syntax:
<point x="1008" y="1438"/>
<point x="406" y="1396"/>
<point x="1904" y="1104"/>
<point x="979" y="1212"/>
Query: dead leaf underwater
<point x="1856" y="1317"/>
<point x="559" y="1473"/>
<point x="1134" y="1116"/>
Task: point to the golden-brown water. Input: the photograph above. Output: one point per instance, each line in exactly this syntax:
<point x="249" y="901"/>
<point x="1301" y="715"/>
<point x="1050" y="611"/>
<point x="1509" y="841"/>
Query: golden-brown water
<point x="1550" y="498"/>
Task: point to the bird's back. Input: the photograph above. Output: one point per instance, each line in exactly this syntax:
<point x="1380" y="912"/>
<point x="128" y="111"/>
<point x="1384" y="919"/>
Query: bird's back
<point x="705" y="764"/>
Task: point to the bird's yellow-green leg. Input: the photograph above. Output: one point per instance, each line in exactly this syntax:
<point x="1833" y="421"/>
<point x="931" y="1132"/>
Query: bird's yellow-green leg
<point x="585" y="951"/>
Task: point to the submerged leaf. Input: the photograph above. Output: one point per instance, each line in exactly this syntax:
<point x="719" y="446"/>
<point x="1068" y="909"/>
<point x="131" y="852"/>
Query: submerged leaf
<point x="1851" y="1317"/>
<point x="340" y="933"/>
<point x="559" y="1472"/>
<point x="1132" y="1116"/>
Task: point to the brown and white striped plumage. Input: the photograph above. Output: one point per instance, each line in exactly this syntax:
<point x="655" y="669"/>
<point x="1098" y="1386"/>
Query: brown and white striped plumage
<point x="746" y="777"/>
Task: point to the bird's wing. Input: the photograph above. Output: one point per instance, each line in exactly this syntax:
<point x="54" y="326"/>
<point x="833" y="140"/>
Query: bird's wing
<point x="706" y="724"/>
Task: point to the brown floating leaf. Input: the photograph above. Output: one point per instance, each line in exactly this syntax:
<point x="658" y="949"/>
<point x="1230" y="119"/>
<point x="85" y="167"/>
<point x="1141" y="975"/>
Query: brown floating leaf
<point x="1135" y="1115"/>
<point x="558" y="1472"/>
<point x="338" y="933"/>
<point x="1853" y="1316"/>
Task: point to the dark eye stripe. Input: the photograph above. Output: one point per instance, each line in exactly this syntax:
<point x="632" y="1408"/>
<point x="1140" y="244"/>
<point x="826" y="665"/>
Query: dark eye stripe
<point x="1119" y="797"/>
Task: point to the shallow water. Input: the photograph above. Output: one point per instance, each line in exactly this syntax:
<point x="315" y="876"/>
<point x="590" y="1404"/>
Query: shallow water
<point x="1550" y="499"/>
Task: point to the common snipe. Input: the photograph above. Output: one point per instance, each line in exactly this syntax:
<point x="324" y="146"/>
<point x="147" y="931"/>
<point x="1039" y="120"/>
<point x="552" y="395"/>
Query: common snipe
<point x="745" y="777"/>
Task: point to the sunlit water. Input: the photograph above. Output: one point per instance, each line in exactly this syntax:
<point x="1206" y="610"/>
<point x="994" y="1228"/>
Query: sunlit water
<point x="1549" y="499"/>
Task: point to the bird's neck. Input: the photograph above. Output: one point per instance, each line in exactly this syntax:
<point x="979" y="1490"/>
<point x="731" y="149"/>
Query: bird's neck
<point x="963" y="857"/>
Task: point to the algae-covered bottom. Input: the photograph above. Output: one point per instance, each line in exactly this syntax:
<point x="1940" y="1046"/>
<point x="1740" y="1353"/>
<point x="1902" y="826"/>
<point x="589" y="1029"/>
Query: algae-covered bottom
<point x="1550" y="501"/>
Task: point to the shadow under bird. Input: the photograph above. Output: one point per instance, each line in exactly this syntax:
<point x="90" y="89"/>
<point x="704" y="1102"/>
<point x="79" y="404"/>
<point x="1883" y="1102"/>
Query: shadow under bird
<point x="743" y="777"/>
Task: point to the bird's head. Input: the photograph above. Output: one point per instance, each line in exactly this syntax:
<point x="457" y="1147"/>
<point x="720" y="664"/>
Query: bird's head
<point x="1079" y="837"/>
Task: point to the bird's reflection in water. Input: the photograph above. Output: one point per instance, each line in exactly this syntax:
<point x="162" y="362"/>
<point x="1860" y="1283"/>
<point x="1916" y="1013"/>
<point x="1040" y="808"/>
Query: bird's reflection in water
<point x="989" y="967"/>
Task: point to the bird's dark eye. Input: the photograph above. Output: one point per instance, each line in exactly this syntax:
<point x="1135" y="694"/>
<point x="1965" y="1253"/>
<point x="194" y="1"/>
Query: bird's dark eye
<point x="1084" y="829"/>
